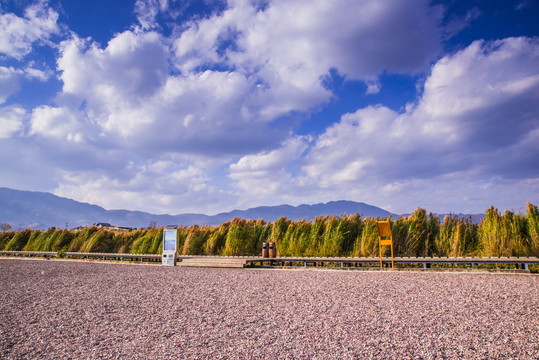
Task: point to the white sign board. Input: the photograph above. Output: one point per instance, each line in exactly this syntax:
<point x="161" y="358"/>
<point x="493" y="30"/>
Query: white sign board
<point x="170" y="242"/>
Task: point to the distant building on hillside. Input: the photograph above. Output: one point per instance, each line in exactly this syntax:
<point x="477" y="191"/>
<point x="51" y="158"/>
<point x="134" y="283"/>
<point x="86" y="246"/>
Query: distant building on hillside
<point x="111" y="227"/>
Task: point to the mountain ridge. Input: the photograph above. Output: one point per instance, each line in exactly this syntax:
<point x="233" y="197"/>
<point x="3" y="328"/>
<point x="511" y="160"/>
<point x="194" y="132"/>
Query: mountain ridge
<point x="39" y="210"/>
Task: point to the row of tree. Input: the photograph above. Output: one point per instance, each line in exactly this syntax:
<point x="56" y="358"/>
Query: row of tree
<point x="421" y="234"/>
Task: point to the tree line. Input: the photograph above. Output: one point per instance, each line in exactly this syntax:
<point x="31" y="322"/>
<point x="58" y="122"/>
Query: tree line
<point x="420" y="234"/>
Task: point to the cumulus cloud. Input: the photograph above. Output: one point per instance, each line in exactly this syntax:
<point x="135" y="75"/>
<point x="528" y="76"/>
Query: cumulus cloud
<point x="17" y="35"/>
<point x="206" y="116"/>
<point x="266" y="174"/>
<point x="130" y="68"/>
<point x="11" y="120"/>
<point x="360" y="39"/>
<point x="147" y="10"/>
<point x="373" y="87"/>
<point x="289" y="46"/>
<point x="9" y="82"/>
<point x="127" y="90"/>
<point x="171" y="185"/>
<point x="456" y="130"/>
<point x="41" y="75"/>
<point x="58" y="123"/>
<point x="10" y="79"/>
<point x="240" y="70"/>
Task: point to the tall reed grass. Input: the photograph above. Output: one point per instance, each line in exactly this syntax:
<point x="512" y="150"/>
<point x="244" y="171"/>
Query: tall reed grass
<point x="507" y="234"/>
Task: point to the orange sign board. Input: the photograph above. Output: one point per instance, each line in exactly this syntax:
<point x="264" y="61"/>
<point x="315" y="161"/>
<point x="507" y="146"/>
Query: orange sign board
<point x="385" y="238"/>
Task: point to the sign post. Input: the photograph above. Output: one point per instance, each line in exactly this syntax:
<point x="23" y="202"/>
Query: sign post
<point x="385" y="238"/>
<point x="170" y="246"/>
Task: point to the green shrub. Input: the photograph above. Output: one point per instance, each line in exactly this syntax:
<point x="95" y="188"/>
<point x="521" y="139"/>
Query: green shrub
<point x="340" y="235"/>
<point x="194" y="243"/>
<point x="34" y="240"/>
<point x="399" y="231"/>
<point x="433" y="228"/>
<point x="100" y="242"/>
<point x="297" y="239"/>
<point x="5" y="237"/>
<point x="216" y="240"/>
<point x="241" y="238"/>
<point x="278" y="232"/>
<point x="367" y="243"/>
<point x="149" y="242"/>
<point x="19" y="240"/>
<point x="533" y="228"/>
<point x="80" y="238"/>
<point x="418" y="234"/>
<point x="495" y="234"/>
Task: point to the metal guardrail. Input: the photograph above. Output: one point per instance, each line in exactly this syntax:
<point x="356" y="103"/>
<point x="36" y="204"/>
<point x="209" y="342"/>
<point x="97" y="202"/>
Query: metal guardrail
<point x="85" y="255"/>
<point x="522" y="262"/>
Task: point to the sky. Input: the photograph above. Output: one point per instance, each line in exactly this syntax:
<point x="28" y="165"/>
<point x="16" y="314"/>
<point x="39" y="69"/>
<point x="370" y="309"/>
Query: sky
<point x="179" y="106"/>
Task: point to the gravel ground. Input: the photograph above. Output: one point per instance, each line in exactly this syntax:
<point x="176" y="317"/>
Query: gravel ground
<point x="108" y="311"/>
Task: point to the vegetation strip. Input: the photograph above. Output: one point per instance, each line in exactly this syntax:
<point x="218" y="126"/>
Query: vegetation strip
<point x="507" y="234"/>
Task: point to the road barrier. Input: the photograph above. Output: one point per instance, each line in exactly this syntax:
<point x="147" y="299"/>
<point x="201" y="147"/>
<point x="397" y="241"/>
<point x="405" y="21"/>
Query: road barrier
<point x="521" y="263"/>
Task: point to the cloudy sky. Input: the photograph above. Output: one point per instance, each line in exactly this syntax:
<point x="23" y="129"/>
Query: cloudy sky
<point x="175" y="106"/>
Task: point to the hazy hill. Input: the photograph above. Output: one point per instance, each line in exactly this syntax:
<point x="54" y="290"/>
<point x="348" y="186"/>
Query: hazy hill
<point x="41" y="210"/>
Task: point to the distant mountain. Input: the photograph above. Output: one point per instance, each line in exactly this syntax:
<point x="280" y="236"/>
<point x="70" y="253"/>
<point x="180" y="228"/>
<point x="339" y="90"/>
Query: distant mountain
<point x="307" y="212"/>
<point x="40" y="210"/>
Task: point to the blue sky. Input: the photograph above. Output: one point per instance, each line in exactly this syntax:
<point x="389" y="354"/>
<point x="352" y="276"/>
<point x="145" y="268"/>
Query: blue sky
<point x="208" y="106"/>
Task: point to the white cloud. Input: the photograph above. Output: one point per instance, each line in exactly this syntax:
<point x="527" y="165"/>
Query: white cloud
<point x="165" y="186"/>
<point x="126" y="90"/>
<point x="9" y="82"/>
<point x="298" y="38"/>
<point x="159" y="121"/>
<point x="287" y="48"/>
<point x="453" y="89"/>
<point x="266" y="176"/>
<point x="458" y="130"/>
<point x="147" y="11"/>
<point x="11" y="120"/>
<point x="240" y="70"/>
<point x="17" y="35"/>
<point x="270" y="63"/>
<point x="41" y="75"/>
<point x="373" y="87"/>
<point x="351" y="148"/>
<point x="59" y="123"/>
<point x="114" y="82"/>
<point x="10" y="79"/>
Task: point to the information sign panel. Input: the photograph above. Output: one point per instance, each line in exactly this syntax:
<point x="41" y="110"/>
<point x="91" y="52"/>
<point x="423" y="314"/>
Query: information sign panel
<point x="169" y="239"/>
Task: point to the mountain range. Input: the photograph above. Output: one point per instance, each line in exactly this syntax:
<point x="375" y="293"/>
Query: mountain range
<point x="41" y="210"/>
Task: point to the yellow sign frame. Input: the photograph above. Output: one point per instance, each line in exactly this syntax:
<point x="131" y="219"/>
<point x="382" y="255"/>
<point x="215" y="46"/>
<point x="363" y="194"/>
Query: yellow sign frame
<point x="385" y="238"/>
